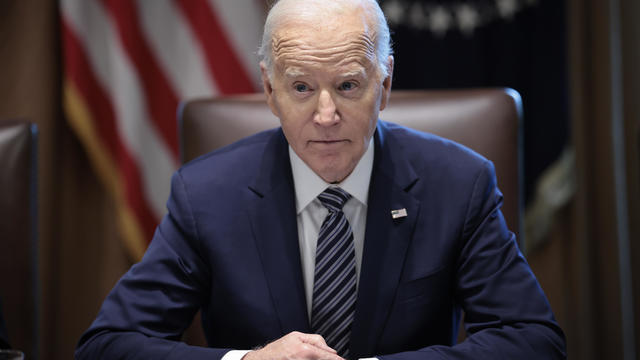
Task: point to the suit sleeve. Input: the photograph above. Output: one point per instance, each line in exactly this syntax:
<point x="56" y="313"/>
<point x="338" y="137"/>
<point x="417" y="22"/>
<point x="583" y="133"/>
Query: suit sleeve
<point x="507" y="315"/>
<point x="146" y="313"/>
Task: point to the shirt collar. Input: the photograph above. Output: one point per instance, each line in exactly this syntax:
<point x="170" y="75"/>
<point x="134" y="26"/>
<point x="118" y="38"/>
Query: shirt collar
<point x="308" y="185"/>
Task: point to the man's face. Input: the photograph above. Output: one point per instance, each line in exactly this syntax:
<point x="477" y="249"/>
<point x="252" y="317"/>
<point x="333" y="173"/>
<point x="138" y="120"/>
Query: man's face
<point x="327" y="92"/>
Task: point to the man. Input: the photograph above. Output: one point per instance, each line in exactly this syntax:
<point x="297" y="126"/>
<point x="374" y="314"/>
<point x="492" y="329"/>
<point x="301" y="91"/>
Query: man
<point x="336" y="236"/>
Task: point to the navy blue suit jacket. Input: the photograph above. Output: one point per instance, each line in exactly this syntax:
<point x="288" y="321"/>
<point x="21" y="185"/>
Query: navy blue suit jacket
<point x="229" y="246"/>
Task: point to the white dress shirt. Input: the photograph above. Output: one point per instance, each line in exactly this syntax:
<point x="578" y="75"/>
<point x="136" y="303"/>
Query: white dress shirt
<point x="311" y="213"/>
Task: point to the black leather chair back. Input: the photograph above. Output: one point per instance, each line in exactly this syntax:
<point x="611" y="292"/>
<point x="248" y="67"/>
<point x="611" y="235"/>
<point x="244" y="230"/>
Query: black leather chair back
<point x="486" y="120"/>
<point x="18" y="254"/>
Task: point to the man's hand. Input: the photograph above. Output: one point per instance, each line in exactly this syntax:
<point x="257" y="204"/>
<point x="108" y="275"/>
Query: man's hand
<point x="295" y="346"/>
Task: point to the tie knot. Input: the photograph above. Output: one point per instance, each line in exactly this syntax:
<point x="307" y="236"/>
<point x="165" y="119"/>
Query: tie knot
<point x="333" y="198"/>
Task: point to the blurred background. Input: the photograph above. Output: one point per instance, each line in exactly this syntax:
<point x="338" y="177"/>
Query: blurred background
<point x="103" y="79"/>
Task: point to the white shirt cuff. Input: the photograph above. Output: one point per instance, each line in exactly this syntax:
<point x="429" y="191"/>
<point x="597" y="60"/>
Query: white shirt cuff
<point x="235" y="354"/>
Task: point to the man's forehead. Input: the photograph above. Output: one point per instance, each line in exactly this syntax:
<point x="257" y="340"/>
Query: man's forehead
<point x="351" y="69"/>
<point x="294" y="49"/>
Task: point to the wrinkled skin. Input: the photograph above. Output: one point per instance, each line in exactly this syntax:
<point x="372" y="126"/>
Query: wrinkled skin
<point x="293" y="346"/>
<point x="326" y="89"/>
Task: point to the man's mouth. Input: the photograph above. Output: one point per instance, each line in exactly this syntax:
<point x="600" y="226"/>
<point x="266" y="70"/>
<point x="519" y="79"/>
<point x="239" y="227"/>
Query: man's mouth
<point x="328" y="144"/>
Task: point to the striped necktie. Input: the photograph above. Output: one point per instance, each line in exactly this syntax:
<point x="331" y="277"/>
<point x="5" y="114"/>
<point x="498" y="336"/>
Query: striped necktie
<point x="334" y="287"/>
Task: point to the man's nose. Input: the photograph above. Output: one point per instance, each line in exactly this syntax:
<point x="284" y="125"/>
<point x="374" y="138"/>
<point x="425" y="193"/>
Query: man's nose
<point x="326" y="113"/>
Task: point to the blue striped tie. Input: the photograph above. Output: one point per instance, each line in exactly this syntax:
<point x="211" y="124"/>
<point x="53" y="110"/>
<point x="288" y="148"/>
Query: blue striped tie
<point x="334" y="287"/>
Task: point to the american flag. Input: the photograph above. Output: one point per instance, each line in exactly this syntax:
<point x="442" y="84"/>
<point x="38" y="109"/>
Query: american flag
<point x="127" y="66"/>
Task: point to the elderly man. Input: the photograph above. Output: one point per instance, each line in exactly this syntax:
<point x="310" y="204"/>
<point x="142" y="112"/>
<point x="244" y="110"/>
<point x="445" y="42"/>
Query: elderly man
<point x="334" y="236"/>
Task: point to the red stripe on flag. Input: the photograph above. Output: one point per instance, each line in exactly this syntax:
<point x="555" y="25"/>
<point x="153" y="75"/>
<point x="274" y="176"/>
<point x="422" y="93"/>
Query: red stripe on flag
<point x="228" y="73"/>
<point x="77" y="68"/>
<point x="162" y="101"/>
<point x="79" y="71"/>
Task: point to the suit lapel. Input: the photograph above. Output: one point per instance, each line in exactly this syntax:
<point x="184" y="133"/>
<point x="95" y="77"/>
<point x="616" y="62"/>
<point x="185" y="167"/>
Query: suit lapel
<point x="386" y="241"/>
<point x="273" y="219"/>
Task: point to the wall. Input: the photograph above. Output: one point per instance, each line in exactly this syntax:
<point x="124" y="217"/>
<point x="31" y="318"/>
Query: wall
<point x="80" y="253"/>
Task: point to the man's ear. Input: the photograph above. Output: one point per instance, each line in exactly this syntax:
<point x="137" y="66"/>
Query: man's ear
<point x="386" y="84"/>
<point x="268" y="88"/>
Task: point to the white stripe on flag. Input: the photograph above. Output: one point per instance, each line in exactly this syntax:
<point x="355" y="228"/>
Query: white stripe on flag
<point x="116" y="73"/>
<point x="242" y="21"/>
<point x="176" y="48"/>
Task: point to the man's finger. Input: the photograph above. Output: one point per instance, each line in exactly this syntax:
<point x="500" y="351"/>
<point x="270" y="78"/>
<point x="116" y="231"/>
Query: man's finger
<point x="311" y="351"/>
<point x="295" y="345"/>
<point x="317" y="341"/>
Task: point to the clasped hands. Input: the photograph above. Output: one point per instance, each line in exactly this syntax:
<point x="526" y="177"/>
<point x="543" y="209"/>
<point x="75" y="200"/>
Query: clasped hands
<point x="295" y="346"/>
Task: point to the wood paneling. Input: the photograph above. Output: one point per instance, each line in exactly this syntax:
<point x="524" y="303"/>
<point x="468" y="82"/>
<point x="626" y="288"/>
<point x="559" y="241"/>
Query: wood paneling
<point x="80" y="253"/>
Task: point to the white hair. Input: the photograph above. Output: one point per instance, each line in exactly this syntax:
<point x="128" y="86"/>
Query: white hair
<point x="280" y="12"/>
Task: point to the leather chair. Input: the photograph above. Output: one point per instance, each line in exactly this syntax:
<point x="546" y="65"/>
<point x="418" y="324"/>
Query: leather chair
<point x="486" y="120"/>
<point x="18" y="257"/>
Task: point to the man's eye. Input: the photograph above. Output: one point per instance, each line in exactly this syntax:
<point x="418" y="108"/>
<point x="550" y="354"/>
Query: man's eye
<point x="347" y="85"/>
<point x="301" y="87"/>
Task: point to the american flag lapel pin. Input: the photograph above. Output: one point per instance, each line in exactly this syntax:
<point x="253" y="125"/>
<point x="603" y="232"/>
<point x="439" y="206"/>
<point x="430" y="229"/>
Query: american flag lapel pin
<point x="399" y="213"/>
